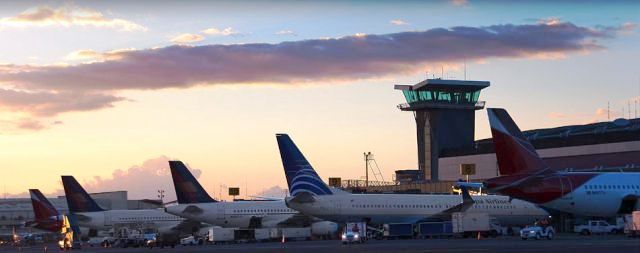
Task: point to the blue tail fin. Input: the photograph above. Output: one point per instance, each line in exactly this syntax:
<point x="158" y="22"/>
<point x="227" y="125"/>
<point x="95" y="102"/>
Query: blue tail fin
<point x="188" y="190"/>
<point x="300" y="175"/>
<point x="78" y="199"/>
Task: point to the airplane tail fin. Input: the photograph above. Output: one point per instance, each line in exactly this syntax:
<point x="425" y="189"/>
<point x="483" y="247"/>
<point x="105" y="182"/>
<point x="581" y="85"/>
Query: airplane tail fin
<point x="515" y="154"/>
<point x="78" y="199"/>
<point x="301" y="177"/>
<point x="42" y="208"/>
<point x="188" y="190"/>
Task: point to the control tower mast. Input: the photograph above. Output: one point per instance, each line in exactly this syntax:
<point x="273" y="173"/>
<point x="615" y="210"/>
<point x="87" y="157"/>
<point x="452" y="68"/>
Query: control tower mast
<point x="444" y="111"/>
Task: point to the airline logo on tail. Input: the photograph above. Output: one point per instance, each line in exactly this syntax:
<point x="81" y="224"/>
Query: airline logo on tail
<point x="42" y="208"/>
<point x="188" y="190"/>
<point x="514" y="152"/>
<point x="78" y="199"/>
<point x="301" y="177"/>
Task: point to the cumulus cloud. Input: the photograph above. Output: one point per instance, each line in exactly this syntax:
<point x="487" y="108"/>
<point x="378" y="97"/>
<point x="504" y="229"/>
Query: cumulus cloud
<point x="68" y="16"/>
<point x="186" y="38"/>
<point x="346" y="58"/>
<point x="221" y="32"/>
<point x="273" y="192"/>
<point x="141" y="181"/>
<point x="286" y="32"/>
<point x="398" y="22"/>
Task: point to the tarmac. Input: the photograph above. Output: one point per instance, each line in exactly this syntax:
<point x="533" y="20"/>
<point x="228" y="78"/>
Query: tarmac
<point x="563" y="244"/>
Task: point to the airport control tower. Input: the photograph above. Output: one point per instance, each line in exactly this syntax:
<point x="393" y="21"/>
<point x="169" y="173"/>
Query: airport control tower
<point x="445" y="117"/>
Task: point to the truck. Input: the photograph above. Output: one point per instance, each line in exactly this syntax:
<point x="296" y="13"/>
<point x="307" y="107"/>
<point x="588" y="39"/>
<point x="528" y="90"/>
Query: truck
<point x="218" y="235"/>
<point x="354" y="232"/>
<point x="596" y="227"/>
<point x="397" y="231"/>
<point x="469" y="224"/>
<point x="435" y="229"/>
<point x="632" y="224"/>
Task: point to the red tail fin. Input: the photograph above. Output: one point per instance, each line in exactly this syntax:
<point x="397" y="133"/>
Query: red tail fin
<point x="42" y="208"/>
<point x="514" y="152"/>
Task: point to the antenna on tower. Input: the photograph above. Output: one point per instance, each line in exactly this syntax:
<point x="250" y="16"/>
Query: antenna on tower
<point x="441" y="72"/>
<point x="608" y="112"/>
<point x="465" y="68"/>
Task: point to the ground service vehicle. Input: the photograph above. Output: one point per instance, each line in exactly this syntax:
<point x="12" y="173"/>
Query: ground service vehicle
<point x="537" y="232"/>
<point x="397" y="231"/>
<point x="435" y="229"/>
<point x="354" y="232"/>
<point x="596" y="227"/>
<point x="632" y="224"/>
<point x="470" y="224"/>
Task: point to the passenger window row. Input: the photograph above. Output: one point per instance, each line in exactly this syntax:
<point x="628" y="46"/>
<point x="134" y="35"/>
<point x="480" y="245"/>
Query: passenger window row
<point x="612" y="187"/>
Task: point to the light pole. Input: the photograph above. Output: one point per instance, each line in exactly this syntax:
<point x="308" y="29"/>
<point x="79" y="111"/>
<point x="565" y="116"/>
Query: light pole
<point x="161" y="196"/>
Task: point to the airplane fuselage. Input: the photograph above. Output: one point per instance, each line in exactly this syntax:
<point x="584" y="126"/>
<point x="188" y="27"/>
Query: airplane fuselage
<point x="580" y="193"/>
<point x="239" y="214"/>
<point x="408" y="208"/>
<point x="104" y="220"/>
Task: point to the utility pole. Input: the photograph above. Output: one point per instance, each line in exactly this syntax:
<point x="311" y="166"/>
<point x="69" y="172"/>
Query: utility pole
<point x="161" y="196"/>
<point x="366" y="167"/>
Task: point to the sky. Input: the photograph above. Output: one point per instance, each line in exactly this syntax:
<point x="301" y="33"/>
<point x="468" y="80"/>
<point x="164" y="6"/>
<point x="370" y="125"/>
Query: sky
<point x="108" y="91"/>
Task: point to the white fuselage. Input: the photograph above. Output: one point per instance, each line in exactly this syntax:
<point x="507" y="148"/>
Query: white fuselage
<point x="411" y="208"/>
<point x="105" y="220"/>
<point x="600" y="196"/>
<point x="237" y="214"/>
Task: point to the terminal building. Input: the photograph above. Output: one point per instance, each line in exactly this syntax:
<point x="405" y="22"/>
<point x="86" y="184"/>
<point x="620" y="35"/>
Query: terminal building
<point x="444" y="112"/>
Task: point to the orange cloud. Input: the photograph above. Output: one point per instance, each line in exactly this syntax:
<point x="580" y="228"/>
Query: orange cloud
<point x="186" y="38"/>
<point x="221" y="32"/>
<point x="68" y="16"/>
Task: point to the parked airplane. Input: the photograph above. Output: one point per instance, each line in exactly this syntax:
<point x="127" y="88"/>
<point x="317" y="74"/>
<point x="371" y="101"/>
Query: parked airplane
<point x="89" y="214"/>
<point x="195" y="204"/>
<point x="311" y="196"/>
<point x="525" y="175"/>
<point x="46" y="216"/>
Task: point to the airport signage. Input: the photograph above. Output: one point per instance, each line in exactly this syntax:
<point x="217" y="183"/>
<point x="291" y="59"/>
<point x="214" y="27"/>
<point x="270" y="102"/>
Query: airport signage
<point x="234" y="191"/>
<point x="467" y="169"/>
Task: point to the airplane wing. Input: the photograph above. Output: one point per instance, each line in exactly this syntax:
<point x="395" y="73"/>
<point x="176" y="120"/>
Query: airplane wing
<point x="298" y="220"/>
<point x="467" y="202"/>
<point x="187" y="226"/>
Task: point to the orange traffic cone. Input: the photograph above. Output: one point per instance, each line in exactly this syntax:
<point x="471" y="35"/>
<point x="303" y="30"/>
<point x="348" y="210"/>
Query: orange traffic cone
<point x="283" y="239"/>
<point x="479" y="236"/>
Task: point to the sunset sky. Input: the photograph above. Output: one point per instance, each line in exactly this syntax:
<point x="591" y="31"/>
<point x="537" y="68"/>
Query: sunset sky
<point x="109" y="91"/>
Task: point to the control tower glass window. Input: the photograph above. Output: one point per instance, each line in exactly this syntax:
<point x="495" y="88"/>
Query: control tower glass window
<point x="451" y="97"/>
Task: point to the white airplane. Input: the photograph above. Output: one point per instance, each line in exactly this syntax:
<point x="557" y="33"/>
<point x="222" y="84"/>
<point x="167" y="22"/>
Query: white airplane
<point x="87" y="213"/>
<point x="526" y="176"/>
<point x="311" y="196"/>
<point x="194" y="203"/>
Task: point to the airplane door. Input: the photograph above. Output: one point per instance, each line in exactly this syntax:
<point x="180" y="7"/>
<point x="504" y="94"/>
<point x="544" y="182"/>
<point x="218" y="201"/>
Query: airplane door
<point x="335" y="206"/>
<point x="567" y="188"/>
<point x="107" y="218"/>
<point x="220" y="213"/>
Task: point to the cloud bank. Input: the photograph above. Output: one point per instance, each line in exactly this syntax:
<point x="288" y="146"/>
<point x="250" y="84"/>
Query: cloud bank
<point x="318" y="61"/>
<point x="68" y="16"/>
